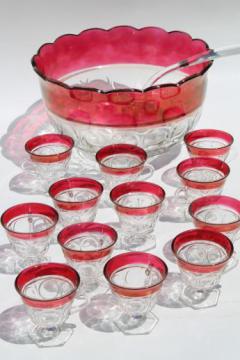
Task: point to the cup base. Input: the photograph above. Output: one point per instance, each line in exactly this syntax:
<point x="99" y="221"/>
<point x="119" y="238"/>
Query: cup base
<point x="57" y="230"/>
<point x="105" y="200"/>
<point x="24" y="263"/>
<point x="198" y="299"/>
<point x="84" y="295"/>
<point x="136" y="325"/>
<point x="175" y="209"/>
<point x="51" y="337"/>
<point x="138" y="242"/>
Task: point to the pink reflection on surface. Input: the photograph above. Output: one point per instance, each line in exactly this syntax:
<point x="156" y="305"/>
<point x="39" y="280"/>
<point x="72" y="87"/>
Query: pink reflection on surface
<point x="33" y="122"/>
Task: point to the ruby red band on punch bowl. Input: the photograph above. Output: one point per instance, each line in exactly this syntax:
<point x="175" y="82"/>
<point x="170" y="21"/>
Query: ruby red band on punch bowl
<point x="73" y="231"/>
<point x="115" y="149"/>
<point x="215" y="200"/>
<point x="190" y="236"/>
<point x="29" y="209"/>
<point x="49" y="139"/>
<point x="75" y="183"/>
<point x="121" y="107"/>
<point x="203" y="162"/>
<point x="137" y="186"/>
<point x="208" y="133"/>
<point x="135" y="258"/>
<point x="47" y="269"/>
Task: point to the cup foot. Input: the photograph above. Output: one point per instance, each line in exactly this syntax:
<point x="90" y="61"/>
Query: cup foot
<point x="100" y="287"/>
<point x="51" y="337"/>
<point x="136" y="325"/>
<point x="24" y="263"/>
<point x="175" y="209"/>
<point x="138" y="242"/>
<point x="57" y="230"/>
<point x="197" y="299"/>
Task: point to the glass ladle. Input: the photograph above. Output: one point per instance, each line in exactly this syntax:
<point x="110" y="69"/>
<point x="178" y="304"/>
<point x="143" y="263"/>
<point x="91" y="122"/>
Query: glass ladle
<point x="197" y="59"/>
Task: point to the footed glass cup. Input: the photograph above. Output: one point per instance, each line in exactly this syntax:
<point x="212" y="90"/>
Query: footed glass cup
<point x="29" y="227"/>
<point x="76" y="199"/>
<point x="137" y="204"/>
<point x="50" y="155"/>
<point x="217" y="213"/>
<point x="209" y="143"/>
<point x="120" y="163"/>
<point x="86" y="247"/>
<point x="48" y="290"/>
<point x="201" y="176"/>
<point x="135" y="279"/>
<point x="202" y="257"/>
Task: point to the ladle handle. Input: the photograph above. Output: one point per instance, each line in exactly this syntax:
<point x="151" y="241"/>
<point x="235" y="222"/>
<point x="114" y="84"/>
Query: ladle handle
<point x="205" y="56"/>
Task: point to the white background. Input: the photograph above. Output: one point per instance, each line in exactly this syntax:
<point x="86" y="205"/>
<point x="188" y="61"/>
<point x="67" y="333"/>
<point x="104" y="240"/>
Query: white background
<point x="25" y="25"/>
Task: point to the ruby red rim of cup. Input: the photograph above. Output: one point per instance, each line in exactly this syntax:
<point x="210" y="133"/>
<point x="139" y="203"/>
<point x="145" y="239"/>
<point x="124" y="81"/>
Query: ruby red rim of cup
<point x="135" y="258"/>
<point x="222" y="200"/>
<point x="49" y="139"/>
<point x="208" y="133"/>
<point x="201" y="234"/>
<point x="73" y="183"/>
<point x="71" y="231"/>
<point x="137" y="186"/>
<point x="29" y="208"/>
<point x="45" y="269"/>
<point x="199" y="162"/>
<point x="116" y="149"/>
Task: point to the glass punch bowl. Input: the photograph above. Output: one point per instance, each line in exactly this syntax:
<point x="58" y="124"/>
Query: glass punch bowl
<point x="93" y="87"/>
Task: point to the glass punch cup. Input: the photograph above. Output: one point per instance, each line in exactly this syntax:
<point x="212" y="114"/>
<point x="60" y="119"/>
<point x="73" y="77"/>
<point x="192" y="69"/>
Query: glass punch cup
<point x="120" y="163"/>
<point x="29" y="227"/>
<point x="87" y="247"/>
<point x="209" y="143"/>
<point x="201" y="176"/>
<point x="137" y="204"/>
<point x="47" y="291"/>
<point x="50" y="155"/>
<point x="202" y="257"/>
<point x="135" y="279"/>
<point x="217" y="213"/>
<point x="76" y="199"/>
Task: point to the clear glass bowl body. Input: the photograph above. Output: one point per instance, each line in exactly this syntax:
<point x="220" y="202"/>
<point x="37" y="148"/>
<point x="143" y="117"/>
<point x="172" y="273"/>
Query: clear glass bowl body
<point x="92" y="85"/>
